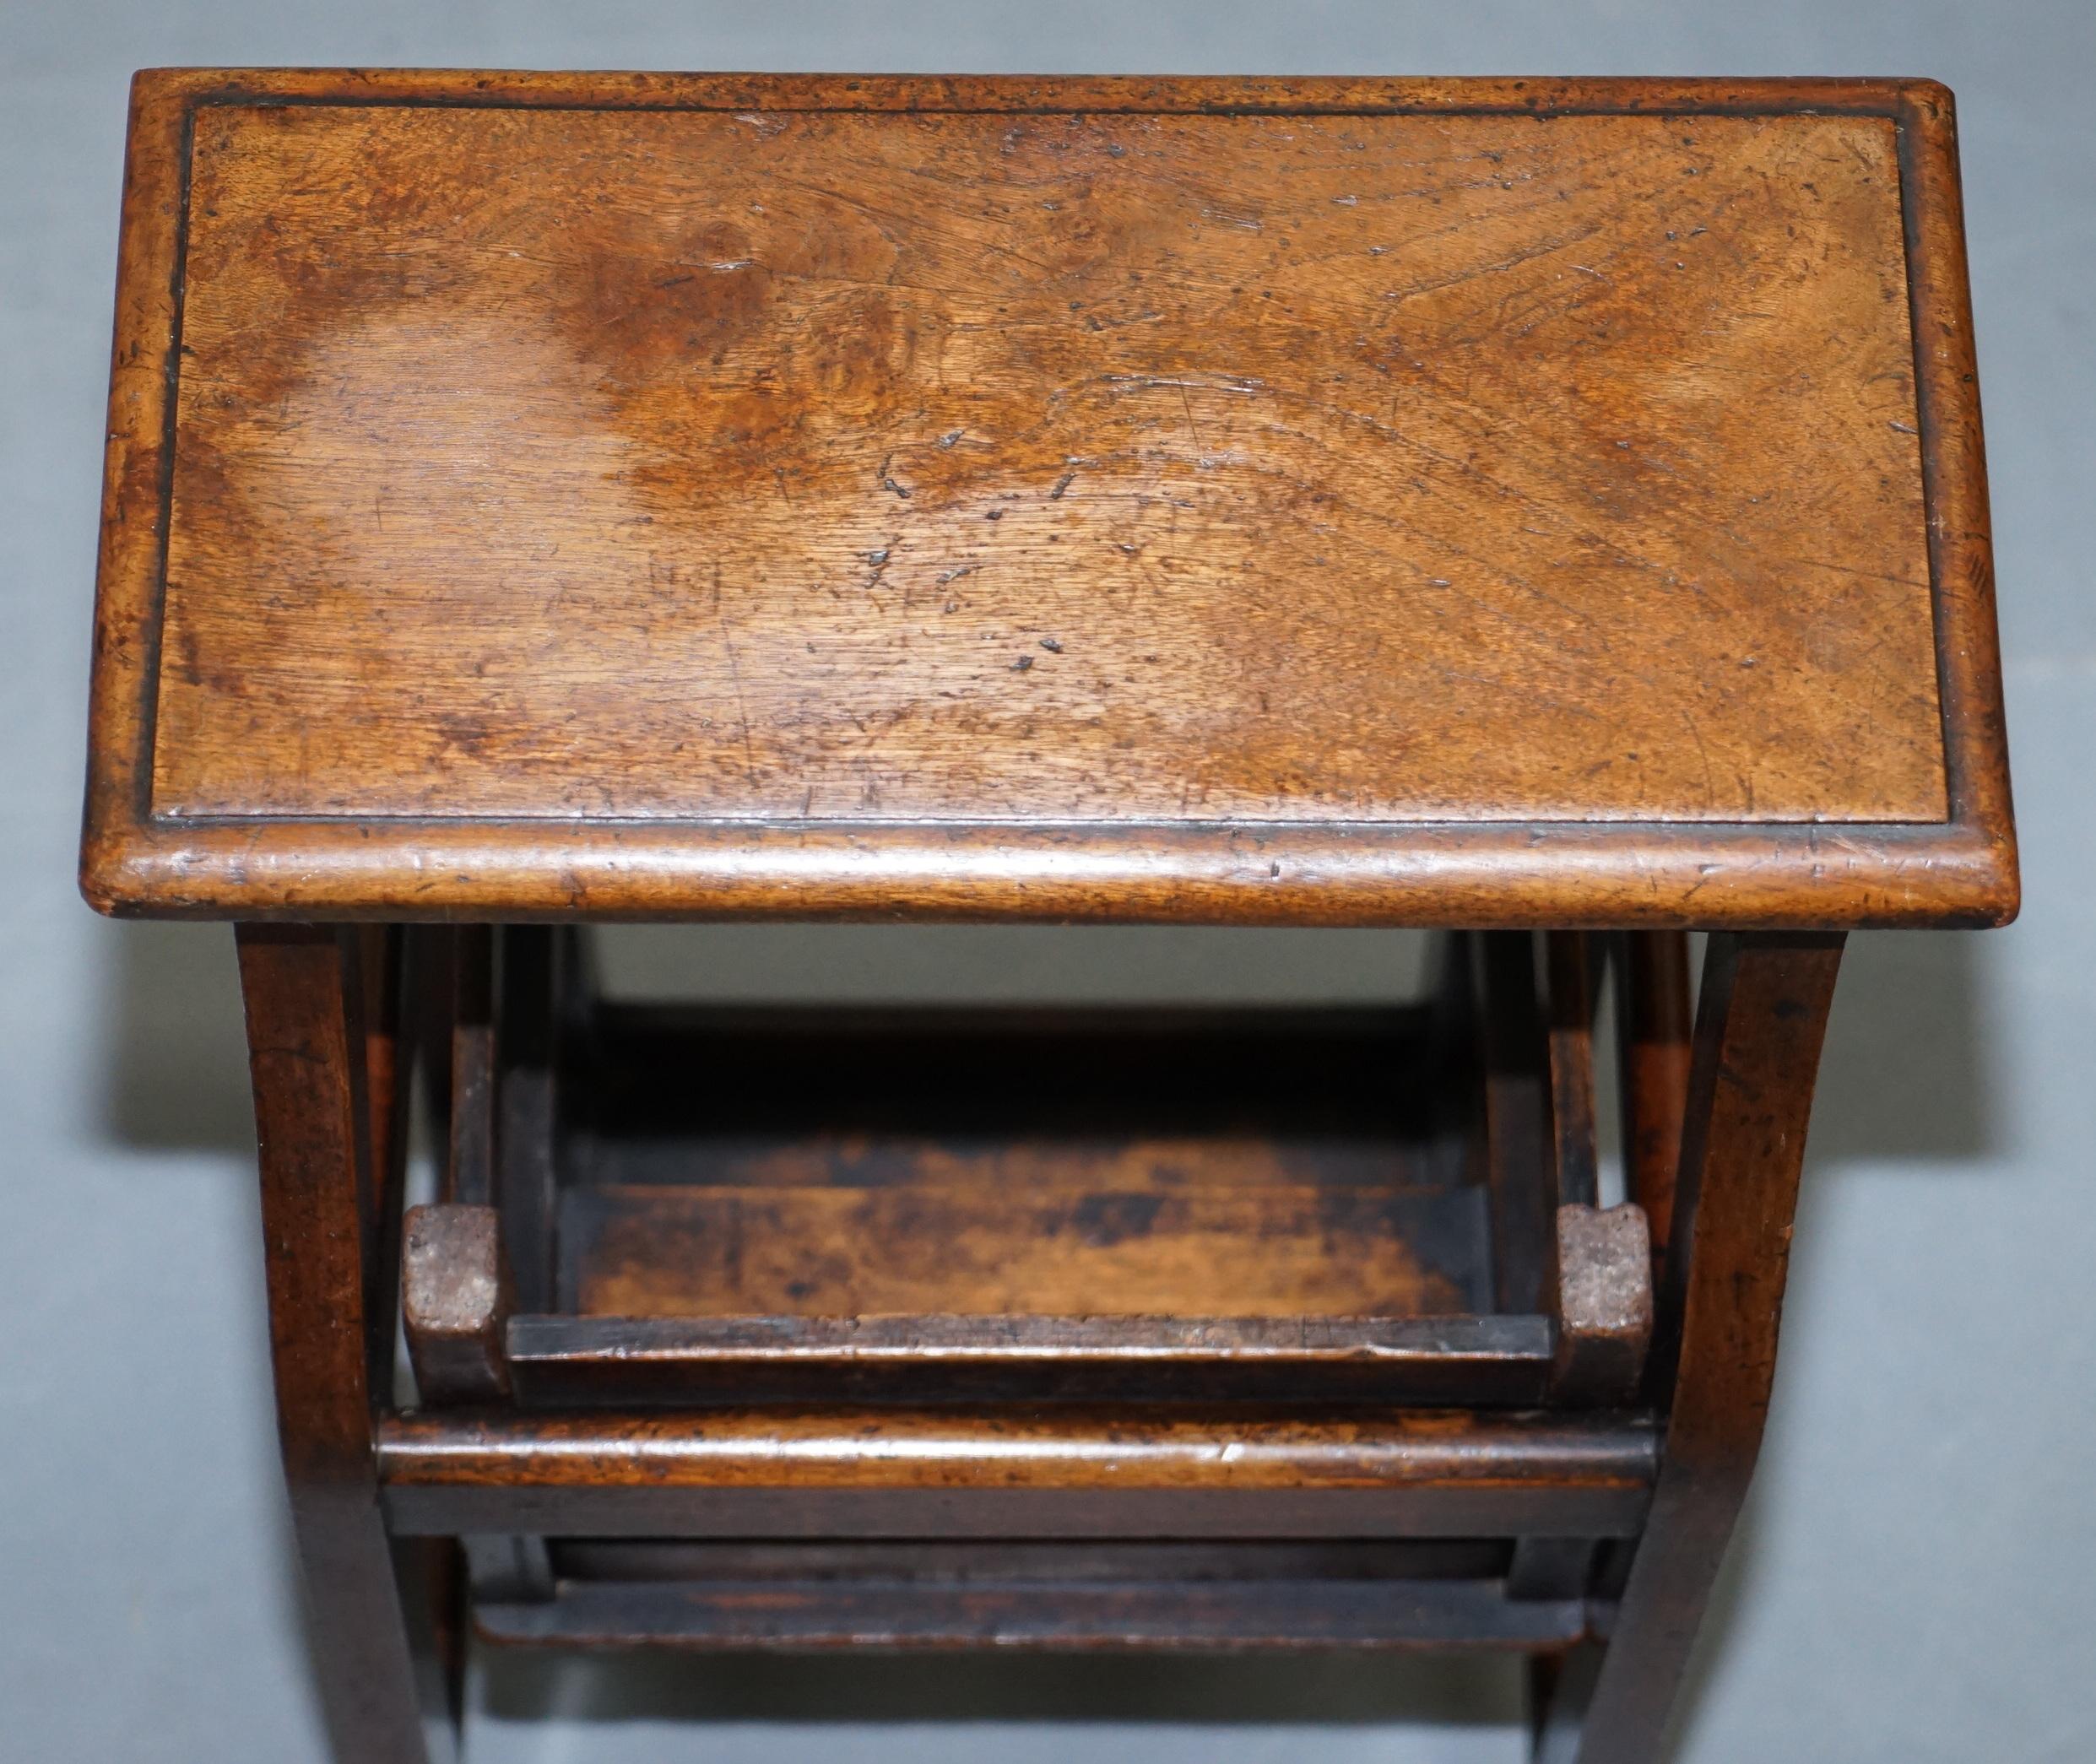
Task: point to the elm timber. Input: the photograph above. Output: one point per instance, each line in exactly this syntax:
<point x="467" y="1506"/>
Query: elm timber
<point x="826" y="1473"/>
<point x="307" y="1030"/>
<point x="1492" y="502"/>
<point x="1507" y="506"/>
<point x="1760" y="1020"/>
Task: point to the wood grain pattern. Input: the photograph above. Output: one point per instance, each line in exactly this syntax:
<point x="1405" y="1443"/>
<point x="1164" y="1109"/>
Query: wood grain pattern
<point x="835" y="1474"/>
<point x="998" y="1205"/>
<point x="1508" y="505"/>
<point x="576" y="463"/>
<point x="1266" y="1252"/>
<point x="1299" y="500"/>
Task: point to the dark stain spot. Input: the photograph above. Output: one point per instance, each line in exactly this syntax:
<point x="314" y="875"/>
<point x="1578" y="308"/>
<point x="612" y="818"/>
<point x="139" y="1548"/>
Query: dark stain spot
<point x="1103" y="1220"/>
<point x="644" y="300"/>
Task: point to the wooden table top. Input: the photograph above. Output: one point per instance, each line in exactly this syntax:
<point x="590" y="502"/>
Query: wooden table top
<point x="1479" y="502"/>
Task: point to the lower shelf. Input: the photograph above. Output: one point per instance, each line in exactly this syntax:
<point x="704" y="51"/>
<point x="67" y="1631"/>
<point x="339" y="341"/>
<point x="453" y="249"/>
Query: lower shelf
<point x="1347" y="1593"/>
<point x="787" y="1615"/>
<point x="924" y="1208"/>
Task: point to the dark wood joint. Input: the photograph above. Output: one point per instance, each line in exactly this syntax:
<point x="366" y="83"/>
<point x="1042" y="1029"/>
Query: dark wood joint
<point x="456" y="1299"/>
<point x="1604" y="1305"/>
<point x="856" y="1286"/>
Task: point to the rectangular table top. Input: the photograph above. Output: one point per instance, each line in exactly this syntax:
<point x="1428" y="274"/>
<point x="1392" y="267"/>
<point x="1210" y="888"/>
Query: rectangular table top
<point x="1368" y="502"/>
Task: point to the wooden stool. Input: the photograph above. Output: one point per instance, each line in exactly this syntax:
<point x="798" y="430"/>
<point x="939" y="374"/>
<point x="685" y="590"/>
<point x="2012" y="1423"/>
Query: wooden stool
<point x="1500" y="507"/>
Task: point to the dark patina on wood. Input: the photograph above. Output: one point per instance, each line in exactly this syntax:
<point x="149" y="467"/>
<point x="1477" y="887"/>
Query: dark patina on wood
<point x="1502" y="506"/>
<point x="1457" y="502"/>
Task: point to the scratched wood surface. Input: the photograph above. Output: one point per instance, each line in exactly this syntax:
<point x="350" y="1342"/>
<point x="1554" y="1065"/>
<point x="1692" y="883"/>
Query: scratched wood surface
<point x="831" y="466"/>
<point x="1283" y="1251"/>
<point x="1486" y="502"/>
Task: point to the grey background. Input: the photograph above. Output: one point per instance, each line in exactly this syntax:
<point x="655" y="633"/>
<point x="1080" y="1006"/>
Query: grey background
<point x="1915" y="1578"/>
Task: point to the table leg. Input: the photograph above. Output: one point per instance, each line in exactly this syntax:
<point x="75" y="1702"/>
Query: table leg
<point x="322" y="1192"/>
<point x="1762" y="1018"/>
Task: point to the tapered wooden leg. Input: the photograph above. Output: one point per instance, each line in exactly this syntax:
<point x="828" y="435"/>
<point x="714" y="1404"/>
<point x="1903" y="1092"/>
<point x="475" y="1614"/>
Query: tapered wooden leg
<point x="321" y="1208"/>
<point x="1759" y="1030"/>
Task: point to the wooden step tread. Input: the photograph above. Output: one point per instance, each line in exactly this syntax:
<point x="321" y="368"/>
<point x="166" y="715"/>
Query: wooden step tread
<point x="568" y="1363"/>
<point x="1281" y="1250"/>
<point x="1264" y="1613"/>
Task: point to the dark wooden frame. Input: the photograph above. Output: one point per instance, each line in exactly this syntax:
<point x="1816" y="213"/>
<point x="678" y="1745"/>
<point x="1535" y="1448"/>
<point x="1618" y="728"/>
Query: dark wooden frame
<point x="1616" y="1502"/>
<point x="329" y="1118"/>
<point x="1659" y="1484"/>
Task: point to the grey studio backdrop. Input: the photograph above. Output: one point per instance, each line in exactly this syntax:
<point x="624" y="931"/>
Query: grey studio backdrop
<point x="1916" y="1576"/>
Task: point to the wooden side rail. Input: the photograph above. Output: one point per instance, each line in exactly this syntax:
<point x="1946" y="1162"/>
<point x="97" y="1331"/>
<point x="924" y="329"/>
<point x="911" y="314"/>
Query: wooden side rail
<point x="568" y="1362"/>
<point x="861" y="1473"/>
